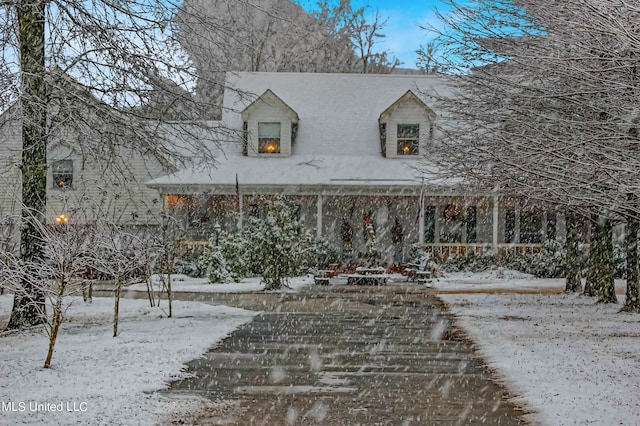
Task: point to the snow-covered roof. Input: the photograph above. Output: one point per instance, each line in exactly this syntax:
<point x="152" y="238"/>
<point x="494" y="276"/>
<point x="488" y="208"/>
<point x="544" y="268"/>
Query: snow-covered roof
<point x="268" y="97"/>
<point x="338" y="112"/>
<point x="404" y="99"/>
<point x="295" y="173"/>
<point x="338" y="139"/>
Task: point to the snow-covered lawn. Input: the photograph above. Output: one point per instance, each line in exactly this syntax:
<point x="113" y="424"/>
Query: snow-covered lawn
<point x="573" y="361"/>
<point x="108" y="381"/>
<point x="202" y="285"/>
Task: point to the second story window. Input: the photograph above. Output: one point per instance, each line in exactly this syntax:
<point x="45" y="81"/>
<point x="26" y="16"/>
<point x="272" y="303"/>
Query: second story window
<point x="408" y="139"/>
<point x="62" y="172"/>
<point x="269" y="138"/>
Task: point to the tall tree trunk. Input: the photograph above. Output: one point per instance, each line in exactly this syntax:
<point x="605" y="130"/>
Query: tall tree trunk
<point x="607" y="269"/>
<point x="632" y="302"/>
<point x="591" y="285"/>
<point x="573" y="277"/>
<point x="600" y="276"/>
<point x="29" y="305"/>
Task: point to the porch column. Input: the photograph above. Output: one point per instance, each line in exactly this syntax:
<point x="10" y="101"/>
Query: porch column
<point x="496" y="217"/>
<point x="319" y="203"/>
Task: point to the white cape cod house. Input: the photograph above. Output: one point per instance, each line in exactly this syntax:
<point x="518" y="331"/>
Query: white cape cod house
<point x="344" y="148"/>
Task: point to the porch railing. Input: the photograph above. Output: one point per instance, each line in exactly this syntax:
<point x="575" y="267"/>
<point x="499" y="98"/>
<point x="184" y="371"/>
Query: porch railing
<point x="441" y="250"/>
<point x="447" y="250"/>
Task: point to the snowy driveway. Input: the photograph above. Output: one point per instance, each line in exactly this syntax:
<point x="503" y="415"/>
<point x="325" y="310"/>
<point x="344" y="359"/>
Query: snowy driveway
<point x="346" y="355"/>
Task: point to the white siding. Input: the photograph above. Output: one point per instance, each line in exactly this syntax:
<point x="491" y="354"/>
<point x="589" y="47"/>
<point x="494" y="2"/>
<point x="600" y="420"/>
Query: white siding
<point x="96" y="191"/>
<point x="269" y="114"/>
<point x="110" y="194"/>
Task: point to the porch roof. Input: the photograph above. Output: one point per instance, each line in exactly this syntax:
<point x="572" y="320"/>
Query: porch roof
<point x="351" y="173"/>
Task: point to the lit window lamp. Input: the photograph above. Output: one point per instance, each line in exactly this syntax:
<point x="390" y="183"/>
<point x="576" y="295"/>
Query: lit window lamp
<point x="62" y="218"/>
<point x="271" y="148"/>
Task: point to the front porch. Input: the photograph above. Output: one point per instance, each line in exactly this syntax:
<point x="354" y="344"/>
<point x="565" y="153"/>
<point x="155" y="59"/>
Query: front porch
<point x="446" y="226"/>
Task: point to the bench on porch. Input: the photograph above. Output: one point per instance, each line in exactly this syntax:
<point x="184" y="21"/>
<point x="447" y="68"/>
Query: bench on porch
<point x="420" y="272"/>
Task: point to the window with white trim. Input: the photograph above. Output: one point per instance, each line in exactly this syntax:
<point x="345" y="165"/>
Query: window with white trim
<point x="408" y="139"/>
<point x="62" y="173"/>
<point x="269" y="138"/>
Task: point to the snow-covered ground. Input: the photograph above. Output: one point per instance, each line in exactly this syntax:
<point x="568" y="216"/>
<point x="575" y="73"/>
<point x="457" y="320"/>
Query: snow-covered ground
<point x="98" y="379"/>
<point x="202" y="285"/>
<point x="572" y="361"/>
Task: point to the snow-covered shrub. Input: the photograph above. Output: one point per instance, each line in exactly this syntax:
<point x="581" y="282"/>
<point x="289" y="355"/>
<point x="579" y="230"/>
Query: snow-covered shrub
<point x="273" y="246"/>
<point x="488" y="260"/>
<point x="619" y="261"/>
<point x="227" y="258"/>
<point x="278" y="244"/>
<point x="323" y="254"/>
<point x="190" y="264"/>
<point x="215" y="265"/>
<point x="547" y="263"/>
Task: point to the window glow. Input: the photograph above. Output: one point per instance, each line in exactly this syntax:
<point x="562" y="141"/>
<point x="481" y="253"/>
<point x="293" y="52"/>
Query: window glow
<point x="62" y="218"/>
<point x="408" y="139"/>
<point x="269" y="138"/>
<point x="62" y="174"/>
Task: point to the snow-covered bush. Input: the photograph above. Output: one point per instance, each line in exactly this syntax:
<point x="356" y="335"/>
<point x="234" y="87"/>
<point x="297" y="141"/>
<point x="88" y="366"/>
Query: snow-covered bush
<point x="278" y="244"/>
<point x="239" y="254"/>
<point x="619" y="261"/>
<point x="547" y="263"/>
<point x="226" y="257"/>
<point x="190" y="264"/>
<point x="323" y="254"/>
<point x="215" y="265"/>
<point x="273" y="246"/>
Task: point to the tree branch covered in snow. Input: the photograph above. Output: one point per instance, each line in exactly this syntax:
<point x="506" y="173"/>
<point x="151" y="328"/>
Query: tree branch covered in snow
<point x="545" y="106"/>
<point x="549" y="108"/>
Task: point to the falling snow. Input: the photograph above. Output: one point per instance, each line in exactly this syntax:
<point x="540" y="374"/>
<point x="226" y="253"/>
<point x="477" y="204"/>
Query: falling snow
<point x="563" y="358"/>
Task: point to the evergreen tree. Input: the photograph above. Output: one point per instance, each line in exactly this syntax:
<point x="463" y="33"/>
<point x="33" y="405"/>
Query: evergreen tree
<point x="214" y="264"/>
<point x="273" y="246"/>
<point x="279" y="243"/>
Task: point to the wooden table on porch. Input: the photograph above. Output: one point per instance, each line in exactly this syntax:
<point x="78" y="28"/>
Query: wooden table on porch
<point x="368" y="276"/>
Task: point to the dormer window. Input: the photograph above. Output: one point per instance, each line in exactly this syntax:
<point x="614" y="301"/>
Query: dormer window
<point x="408" y="139"/>
<point x="271" y="126"/>
<point x="269" y="138"/>
<point x="405" y="126"/>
